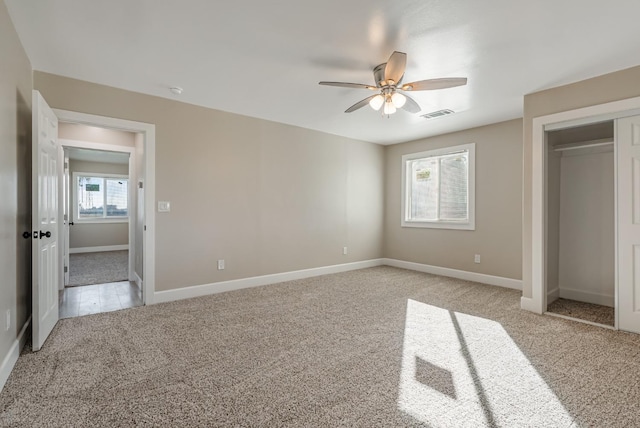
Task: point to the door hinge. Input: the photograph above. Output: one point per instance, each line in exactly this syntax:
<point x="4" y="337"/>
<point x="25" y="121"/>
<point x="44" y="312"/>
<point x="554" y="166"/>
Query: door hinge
<point x="145" y="227"/>
<point x="66" y="269"/>
<point x="140" y="185"/>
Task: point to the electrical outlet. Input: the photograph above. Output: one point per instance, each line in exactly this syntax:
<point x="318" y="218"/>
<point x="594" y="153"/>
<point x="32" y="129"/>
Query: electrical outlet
<point x="8" y="320"/>
<point x="344" y="250"/>
<point x="477" y="258"/>
<point x="220" y="264"/>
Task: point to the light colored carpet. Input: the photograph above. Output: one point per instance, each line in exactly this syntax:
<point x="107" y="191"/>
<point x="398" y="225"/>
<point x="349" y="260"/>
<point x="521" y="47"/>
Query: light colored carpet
<point x="98" y="268"/>
<point x="584" y="311"/>
<point x="379" y="347"/>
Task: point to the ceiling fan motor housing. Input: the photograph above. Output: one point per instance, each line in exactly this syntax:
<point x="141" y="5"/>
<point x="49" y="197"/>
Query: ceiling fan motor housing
<point x="378" y="73"/>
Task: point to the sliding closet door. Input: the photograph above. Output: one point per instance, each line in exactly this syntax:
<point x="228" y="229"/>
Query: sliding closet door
<point x="628" y="163"/>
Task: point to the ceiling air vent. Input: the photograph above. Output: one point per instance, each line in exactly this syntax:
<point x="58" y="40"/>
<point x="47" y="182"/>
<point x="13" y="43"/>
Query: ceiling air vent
<point x="439" y="113"/>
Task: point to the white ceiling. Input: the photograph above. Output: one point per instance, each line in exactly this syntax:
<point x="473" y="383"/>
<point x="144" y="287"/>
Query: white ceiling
<point x="264" y="58"/>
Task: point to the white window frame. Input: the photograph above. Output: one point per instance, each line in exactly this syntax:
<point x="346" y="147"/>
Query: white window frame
<point x="468" y="224"/>
<point x="75" y="212"/>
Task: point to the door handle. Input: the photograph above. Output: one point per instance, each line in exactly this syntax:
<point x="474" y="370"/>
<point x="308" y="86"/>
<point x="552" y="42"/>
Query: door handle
<point x="26" y="235"/>
<point x="47" y="234"/>
<point x="70" y="223"/>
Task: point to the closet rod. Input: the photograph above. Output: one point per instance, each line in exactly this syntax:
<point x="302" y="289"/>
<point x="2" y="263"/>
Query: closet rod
<point x="573" y="146"/>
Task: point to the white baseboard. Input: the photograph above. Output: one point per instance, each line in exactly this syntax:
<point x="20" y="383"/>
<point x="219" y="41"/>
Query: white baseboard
<point x="515" y="284"/>
<point x="527" y="304"/>
<point x="256" y="281"/>
<point x="98" y="249"/>
<point x="11" y="358"/>
<point x="553" y="295"/>
<point x="587" y="296"/>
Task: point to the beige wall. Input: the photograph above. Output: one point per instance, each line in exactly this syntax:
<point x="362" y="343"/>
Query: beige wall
<point x="83" y="235"/>
<point x="599" y="90"/>
<point x="266" y="197"/>
<point x="497" y="237"/>
<point x="15" y="182"/>
<point x="79" y="132"/>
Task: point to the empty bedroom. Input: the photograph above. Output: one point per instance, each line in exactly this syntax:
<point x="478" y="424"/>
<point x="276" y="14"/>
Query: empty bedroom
<point x="410" y="213"/>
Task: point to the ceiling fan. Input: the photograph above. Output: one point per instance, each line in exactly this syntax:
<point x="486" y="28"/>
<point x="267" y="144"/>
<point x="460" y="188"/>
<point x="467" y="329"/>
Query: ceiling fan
<point x="388" y="78"/>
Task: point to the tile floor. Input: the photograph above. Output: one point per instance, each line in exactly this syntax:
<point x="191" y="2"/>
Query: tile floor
<point x="93" y="299"/>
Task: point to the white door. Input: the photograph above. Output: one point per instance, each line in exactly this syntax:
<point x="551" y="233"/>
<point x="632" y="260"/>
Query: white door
<point x="44" y="220"/>
<point x="628" y="196"/>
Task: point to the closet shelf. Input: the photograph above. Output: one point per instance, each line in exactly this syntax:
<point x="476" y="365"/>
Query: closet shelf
<point x="583" y="144"/>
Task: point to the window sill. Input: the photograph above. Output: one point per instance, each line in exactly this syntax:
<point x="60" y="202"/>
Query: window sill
<point x="439" y="225"/>
<point x="102" y="221"/>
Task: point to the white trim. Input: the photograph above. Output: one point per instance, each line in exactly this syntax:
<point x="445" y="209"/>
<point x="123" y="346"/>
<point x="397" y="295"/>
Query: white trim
<point x="257" y="281"/>
<point x="566" y="119"/>
<point x="98" y="249"/>
<point x="553" y="295"/>
<point x="137" y="280"/>
<point x="589" y="120"/>
<point x="11" y="358"/>
<point x="102" y="220"/>
<point x="587" y="296"/>
<point x="527" y="304"/>
<point x="470" y="223"/>
<point x="565" y="317"/>
<point x="500" y="281"/>
<point x="79" y="144"/>
<point x="149" y="132"/>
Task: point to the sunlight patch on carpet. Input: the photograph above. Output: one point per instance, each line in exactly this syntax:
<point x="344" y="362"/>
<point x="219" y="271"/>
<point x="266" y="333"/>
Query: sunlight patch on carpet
<point x="462" y="370"/>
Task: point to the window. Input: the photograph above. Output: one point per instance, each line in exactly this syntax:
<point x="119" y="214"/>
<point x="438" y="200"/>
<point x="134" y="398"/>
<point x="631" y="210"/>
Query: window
<point x="101" y="197"/>
<point x="438" y="188"/>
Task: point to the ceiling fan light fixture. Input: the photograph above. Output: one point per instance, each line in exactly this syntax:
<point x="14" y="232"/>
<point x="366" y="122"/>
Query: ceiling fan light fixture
<point x="389" y="76"/>
<point x="398" y="99"/>
<point x="389" y="108"/>
<point x="376" y="102"/>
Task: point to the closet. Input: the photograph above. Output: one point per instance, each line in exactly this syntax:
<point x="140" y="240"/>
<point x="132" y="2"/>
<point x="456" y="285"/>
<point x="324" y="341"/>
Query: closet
<point x="581" y="222"/>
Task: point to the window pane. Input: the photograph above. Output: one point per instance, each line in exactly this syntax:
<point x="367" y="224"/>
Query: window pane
<point x="454" y="186"/>
<point x="117" y="197"/>
<point x="424" y="189"/>
<point x="90" y="197"/>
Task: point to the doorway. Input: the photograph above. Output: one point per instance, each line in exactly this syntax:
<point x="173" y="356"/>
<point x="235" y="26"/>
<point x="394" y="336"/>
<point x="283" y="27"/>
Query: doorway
<point x="625" y="115"/>
<point x="581" y="223"/>
<point x="47" y="208"/>
<point x="99" y="211"/>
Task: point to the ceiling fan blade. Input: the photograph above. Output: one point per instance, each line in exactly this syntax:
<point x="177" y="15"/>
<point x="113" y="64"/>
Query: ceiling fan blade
<point x="349" y="85"/>
<point x="431" y="84"/>
<point x="360" y="104"/>
<point x="394" y="70"/>
<point x="411" y="105"/>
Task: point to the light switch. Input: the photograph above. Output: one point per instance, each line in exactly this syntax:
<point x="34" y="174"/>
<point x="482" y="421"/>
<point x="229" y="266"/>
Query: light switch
<point x="164" y="206"/>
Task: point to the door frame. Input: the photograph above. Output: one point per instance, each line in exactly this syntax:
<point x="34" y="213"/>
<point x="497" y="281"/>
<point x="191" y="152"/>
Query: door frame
<point x="148" y="132"/>
<point x="64" y="197"/>
<point x="566" y="119"/>
<point x="133" y="179"/>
